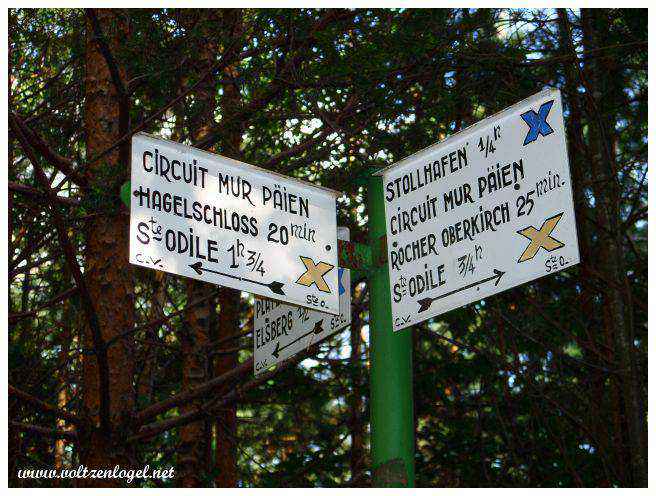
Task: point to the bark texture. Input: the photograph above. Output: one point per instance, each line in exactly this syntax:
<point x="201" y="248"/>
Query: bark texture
<point x="229" y="299"/>
<point x="195" y="438"/>
<point x="604" y="92"/>
<point x="107" y="270"/>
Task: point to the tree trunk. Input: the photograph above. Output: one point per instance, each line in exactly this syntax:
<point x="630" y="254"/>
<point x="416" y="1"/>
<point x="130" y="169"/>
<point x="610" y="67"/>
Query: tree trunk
<point x="600" y="419"/>
<point x="194" y="342"/>
<point x="604" y="98"/>
<point x="226" y="420"/>
<point x="229" y="299"/>
<point x="107" y="272"/>
<point x="195" y="438"/>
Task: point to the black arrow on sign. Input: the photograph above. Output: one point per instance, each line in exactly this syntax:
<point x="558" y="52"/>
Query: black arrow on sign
<point x="425" y="303"/>
<point x="317" y="329"/>
<point x="275" y="286"/>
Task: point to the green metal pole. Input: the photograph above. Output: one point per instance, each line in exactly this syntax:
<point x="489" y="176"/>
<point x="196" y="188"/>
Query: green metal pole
<point x="392" y="418"/>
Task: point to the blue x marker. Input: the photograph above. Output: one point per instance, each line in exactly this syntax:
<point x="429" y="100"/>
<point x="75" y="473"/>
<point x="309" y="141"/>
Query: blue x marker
<point x="537" y="123"/>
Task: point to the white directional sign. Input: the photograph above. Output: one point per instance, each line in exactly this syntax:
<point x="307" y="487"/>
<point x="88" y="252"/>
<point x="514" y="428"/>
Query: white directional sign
<point x="208" y="217"/>
<point x="483" y="211"/>
<point x="281" y="331"/>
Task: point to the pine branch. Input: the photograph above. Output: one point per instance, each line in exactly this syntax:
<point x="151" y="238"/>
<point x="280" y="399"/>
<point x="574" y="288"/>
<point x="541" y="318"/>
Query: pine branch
<point x="62" y="164"/>
<point x="35" y="193"/>
<point x="14" y="318"/>
<point x="69" y="252"/>
<point x="192" y="394"/>
<point x="44" y="431"/>
<point x="42" y="405"/>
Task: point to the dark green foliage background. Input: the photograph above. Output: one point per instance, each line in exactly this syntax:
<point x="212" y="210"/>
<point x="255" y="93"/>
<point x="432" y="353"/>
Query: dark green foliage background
<point x="506" y="390"/>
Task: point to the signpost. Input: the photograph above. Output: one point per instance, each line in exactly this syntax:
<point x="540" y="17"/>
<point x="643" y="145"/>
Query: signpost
<point x="392" y="417"/>
<point x="208" y="217"/>
<point x="281" y="331"/>
<point x="483" y="211"/>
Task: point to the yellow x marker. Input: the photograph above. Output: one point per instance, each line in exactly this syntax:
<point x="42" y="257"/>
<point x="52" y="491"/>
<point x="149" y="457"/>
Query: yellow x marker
<point x="314" y="274"/>
<point x="540" y="239"/>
